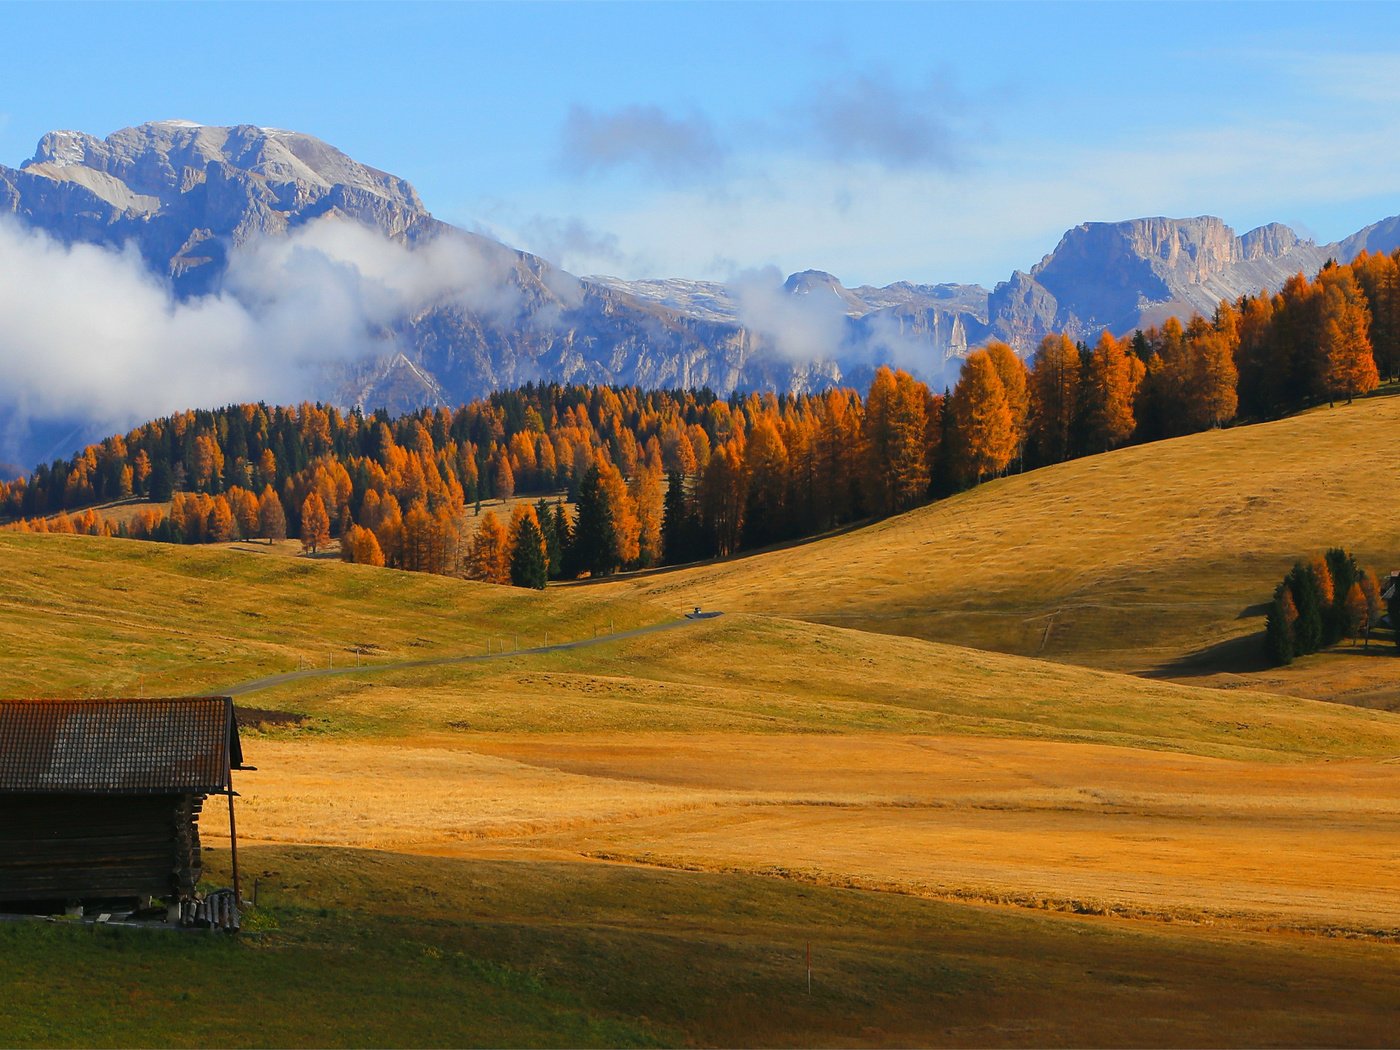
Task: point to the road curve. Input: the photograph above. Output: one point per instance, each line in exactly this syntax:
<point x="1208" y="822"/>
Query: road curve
<point x="256" y="684"/>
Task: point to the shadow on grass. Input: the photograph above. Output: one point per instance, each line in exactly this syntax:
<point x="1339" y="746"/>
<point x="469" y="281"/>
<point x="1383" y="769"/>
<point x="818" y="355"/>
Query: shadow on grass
<point x="1245" y="655"/>
<point x="1242" y="655"/>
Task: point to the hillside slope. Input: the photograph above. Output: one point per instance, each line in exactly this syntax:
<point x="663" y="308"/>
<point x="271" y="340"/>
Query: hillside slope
<point x="103" y="617"/>
<point x="93" y="617"/>
<point x="737" y="746"/>
<point x="1130" y="560"/>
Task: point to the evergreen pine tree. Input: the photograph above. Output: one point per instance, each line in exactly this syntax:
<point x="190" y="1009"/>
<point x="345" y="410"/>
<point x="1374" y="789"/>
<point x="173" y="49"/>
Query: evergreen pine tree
<point x="162" y="485"/>
<point x="1345" y="572"/>
<point x="1307" y="597"/>
<point x="1278" y="638"/>
<point x="595" y="544"/>
<point x="553" y="548"/>
<point x="564" y="567"/>
<point x="675" y="523"/>
<point x="527" y="560"/>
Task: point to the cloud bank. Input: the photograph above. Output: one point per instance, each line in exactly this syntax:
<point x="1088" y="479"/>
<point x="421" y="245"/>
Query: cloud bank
<point x="89" y="335"/>
<point x="798" y="327"/>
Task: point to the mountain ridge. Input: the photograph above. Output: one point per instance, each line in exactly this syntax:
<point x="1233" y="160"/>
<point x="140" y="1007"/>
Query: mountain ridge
<point x="190" y="197"/>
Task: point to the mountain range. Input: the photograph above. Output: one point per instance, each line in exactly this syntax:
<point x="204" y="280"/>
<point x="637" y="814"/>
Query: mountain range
<point x="189" y="197"/>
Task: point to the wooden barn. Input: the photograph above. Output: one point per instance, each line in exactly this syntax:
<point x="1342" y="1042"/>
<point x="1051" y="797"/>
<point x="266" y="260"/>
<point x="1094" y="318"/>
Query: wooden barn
<point x="100" y="799"/>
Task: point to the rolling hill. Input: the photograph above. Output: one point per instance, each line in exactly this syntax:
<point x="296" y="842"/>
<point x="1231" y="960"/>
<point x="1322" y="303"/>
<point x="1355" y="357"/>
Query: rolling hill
<point x="619" y="843"/>
<point x="118" y="618"/>
<point x="1138" y="560"/>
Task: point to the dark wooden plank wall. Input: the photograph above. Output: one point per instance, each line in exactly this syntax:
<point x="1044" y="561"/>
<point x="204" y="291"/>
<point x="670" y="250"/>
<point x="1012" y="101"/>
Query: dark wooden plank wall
<point x="76" y="847"/>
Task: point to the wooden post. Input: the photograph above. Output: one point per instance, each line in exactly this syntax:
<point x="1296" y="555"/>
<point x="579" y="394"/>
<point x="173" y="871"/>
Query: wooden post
<point x="233" y="842"/>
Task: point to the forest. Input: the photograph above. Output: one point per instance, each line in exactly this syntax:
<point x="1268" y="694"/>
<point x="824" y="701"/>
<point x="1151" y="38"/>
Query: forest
<point x="660" y="477"/>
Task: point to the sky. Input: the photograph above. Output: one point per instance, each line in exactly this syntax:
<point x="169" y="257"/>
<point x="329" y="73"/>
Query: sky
<point x="923" y="142"/>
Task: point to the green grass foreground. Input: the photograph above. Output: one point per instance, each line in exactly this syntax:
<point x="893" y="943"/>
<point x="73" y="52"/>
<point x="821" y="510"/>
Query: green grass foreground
<point x="356" y="948"/>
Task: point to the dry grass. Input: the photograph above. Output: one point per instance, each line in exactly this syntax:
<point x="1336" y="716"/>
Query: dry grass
<point x="369" y="948"/>
<point x="824" y="755"/>
<point x="542" y="797"/>
<point x="753" y="675"/>
<point x="1130" y="560"/>
<point x="1048" y="825"/>
<point x="100" y="617"/>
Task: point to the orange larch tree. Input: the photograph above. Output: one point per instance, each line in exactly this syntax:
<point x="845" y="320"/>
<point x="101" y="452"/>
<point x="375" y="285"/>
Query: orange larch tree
<point x="983" y="423"/>
<point x="648" y="495"/>
<point x="1111" y="380"/>
<point x="1054" y="397"/>
<point x="1346" y="346"/>
<point x="488" y="558"/>
<point x="1015" y="381"/>
<point x="315" y="524"/>
<point x="894" y="433"/>
<point x="272" y="519"/>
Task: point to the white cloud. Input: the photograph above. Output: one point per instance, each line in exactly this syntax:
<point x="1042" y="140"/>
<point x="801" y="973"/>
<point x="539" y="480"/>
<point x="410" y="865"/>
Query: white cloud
<point x="570" y="243"/>
<point x="799" y="327"/>
<point x="88" y="334"/>
<point x="871" y="116"/>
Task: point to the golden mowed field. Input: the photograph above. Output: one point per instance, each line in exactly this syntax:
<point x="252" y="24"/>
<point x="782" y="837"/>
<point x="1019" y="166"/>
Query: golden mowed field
<point x="637" y="837"/>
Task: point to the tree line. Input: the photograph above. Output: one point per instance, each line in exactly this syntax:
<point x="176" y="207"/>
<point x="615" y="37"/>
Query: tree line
<point x="1321" y="601"/>
<point x="675" y="476"/>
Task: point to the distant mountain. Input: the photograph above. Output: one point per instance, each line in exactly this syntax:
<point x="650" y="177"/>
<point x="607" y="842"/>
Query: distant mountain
<point x="188" y="197"/>
<point x="185" y="193"/>
<point x="1122" y="275"/>
<point x="1114" y="275"/>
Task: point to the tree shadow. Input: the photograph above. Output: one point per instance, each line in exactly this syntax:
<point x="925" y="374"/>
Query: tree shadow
<point x="1245" y="655"/>
<point x="1242" y="655"/>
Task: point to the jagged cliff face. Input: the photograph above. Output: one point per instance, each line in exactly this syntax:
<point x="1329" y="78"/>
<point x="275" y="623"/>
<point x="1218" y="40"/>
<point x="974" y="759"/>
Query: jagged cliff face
<point x="190" y="198"/>
<point x="1121" y="275"/>
<point x="184" y="193"/>
<point x="187" y="195"/>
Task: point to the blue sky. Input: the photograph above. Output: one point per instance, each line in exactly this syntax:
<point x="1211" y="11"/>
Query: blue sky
<point x="881" y="142"/>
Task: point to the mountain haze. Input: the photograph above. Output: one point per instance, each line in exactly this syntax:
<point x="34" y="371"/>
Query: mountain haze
<point x="257" y="218"/>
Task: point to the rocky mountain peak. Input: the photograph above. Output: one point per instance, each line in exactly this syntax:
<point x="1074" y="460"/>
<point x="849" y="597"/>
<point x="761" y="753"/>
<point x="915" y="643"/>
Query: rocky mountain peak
<point x="1115" y="274"/>
<point x="187" y="192"/>
<point x="165" y="158"/>
<point x="64" y="147"/>
<point x="820" y="283"/>
<point x="188" y="196"/>
<point x="1271" y="242"/>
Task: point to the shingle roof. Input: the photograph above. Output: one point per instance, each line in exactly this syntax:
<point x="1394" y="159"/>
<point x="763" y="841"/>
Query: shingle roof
<point x="184" y="745"/>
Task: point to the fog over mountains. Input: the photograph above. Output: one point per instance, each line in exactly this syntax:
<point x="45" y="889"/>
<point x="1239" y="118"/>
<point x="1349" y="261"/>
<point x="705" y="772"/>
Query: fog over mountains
<point x="176" y="265"/>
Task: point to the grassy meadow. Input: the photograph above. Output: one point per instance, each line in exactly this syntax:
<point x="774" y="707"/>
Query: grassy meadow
<point x="376" y="948"/>
<point x="119" y="618"/>
<point x="631" y="843"/>
<point x="1157" y="558"/>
